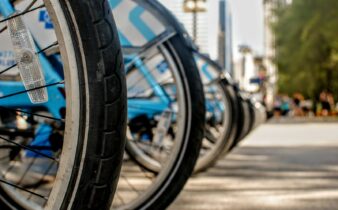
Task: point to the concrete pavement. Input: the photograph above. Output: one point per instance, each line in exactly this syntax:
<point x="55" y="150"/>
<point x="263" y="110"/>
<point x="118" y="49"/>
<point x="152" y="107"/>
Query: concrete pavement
<point x="278" y="167"/>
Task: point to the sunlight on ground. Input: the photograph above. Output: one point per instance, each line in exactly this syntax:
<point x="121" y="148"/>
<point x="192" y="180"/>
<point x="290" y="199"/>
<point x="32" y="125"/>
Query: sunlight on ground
<point x="278" y="167"/>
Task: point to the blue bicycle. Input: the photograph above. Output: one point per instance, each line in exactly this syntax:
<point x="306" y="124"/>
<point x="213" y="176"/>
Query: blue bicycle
<point x="165" y="105"/>
<point x="60" y="79"/>
<point x="161" y="76"/>
<point x="222" y="112"/>
<point x="161" y="100"/>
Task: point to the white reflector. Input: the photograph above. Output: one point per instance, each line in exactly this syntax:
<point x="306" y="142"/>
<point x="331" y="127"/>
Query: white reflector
<point x="27" y="60"/>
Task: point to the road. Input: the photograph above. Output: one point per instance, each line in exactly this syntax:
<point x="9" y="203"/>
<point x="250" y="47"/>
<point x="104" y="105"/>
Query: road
<point x="278" y="167"/>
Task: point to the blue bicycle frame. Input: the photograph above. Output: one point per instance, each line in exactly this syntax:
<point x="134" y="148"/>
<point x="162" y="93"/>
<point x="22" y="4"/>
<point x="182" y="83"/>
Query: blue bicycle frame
<point x="56" y="99"/>
<point x="142" y="25"/>
<point x="149" y="107"/>
<point x="210" y="75"/>
<point x="136" y="106"/>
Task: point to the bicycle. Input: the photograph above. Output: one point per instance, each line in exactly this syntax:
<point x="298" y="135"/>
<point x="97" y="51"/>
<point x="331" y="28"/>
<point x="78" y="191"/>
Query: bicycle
<point x="222" y="112"/>
<point x="55" y="145"/>
<point x="166" y="106"/>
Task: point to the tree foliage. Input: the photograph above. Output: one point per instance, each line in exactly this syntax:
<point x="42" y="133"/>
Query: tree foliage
<point x="307" y="47"/>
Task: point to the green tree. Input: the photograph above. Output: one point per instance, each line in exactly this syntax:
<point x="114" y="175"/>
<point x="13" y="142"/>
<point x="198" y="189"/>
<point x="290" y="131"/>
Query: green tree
<point x="307" y="47"/>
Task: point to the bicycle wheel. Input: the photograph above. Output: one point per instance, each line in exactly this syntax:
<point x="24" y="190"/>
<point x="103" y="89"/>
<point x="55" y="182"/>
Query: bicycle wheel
<point x="260" y="113"/>
<point x="249" y="118"/>
<point x="220" y="125"/>
<point x="55" y="152"/>
<point x="165" y="111"/>
<point x="252" y="116"/>
<point x="163" y="160"/>
<point x="240" y="124"/>
<point x="243" y="122"/>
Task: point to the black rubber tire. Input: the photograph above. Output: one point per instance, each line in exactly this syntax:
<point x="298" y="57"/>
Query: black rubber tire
<point x="245" y="123"/>
<point x="246" y="120"/>
<point x="229" y="138"/>
<point x="108" y="104"/>
<point x="96" y="172"/>
<point x="240" y="121"/>
<point x="252" y="116"/>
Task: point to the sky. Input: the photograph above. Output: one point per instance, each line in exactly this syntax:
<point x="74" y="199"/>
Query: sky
<point x="248" y="25"/>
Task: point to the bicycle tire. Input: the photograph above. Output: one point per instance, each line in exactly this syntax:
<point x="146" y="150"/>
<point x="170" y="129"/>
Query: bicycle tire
<point x="240" y="120"/>
<point x="245" y="122"/>
<point x="86" y="28"/>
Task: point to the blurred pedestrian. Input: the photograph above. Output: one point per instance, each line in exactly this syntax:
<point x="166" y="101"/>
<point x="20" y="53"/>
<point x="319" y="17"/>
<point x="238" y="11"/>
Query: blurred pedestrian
<point x="325" y="105"/>
<point x="330" y="100"/>
<point x="297" y="109"/>
<point x="277" y="106"/>
<point x="285" y="106"/>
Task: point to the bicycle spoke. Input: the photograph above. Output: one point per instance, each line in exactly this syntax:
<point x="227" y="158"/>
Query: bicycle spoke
<point x="119" y="197"/>
<point x="27" y="8"/>
<point x="40" y="51"/>
<point x="9" y="168"/>
<point x="7" y="69"/>
<point x="3" y="29"/>
<point x="50" y="166"/>
<point x="22" y="13"/>
<point x="48" y="47"/>
<point x="23" y="189"/>
<point x="37" y="88"/>
<point x="30" y="5"/>
<point x="28" y="148"/>
<point x="32" y="114"/>
<point x="26" y="171"/>
<point x="139" y="79"/>
<point x="210" y="137"/>
<point x="146" y="174"/>
<point x="32" y="147"/>
<point x="131" y="186"/>
<point x="161" y="83"/>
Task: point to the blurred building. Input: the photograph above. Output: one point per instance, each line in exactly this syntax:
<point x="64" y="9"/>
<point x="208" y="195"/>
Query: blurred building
<point x="225" y="42"/>
<point x="246" y="71"/>
<point x="270" y="50"/>
<point x="214" y="31"/>
<point x="250" y="73"/>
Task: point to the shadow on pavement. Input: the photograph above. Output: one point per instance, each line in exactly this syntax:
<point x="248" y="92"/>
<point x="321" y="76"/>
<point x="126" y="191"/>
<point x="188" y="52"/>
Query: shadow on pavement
<point x="282" y="178"/>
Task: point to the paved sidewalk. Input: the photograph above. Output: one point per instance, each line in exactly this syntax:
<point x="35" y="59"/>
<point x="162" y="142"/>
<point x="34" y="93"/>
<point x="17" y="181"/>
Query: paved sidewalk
<point x="278" y="167"/>
<point x="299" y="120"/>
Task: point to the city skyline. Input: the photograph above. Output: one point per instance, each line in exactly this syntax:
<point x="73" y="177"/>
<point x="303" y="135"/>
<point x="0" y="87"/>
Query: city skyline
<point x="248" y="25"/>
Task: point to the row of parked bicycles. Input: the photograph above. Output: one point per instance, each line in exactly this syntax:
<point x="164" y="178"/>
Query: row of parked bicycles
<point x="93" y="109"/>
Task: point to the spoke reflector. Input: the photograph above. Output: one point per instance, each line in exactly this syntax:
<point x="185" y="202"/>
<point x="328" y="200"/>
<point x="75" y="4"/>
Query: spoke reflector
<point x="27" y="60"/>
